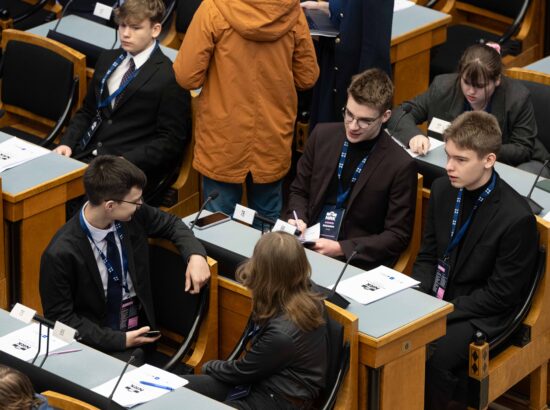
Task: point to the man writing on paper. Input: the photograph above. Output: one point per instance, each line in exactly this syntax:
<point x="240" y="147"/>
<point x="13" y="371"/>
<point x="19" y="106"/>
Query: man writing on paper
<point x="94" y="274"/>
<point x="478" y="251"/>
<point x="134" y="107"/>
<point x="356" y="181"/>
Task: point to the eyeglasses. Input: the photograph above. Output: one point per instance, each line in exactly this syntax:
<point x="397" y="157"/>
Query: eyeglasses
<point x="137" y="203"/>
<point x="362" y="123"/>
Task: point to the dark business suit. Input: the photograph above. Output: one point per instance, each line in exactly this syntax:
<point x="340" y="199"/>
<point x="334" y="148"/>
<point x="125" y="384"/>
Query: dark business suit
<point x="70" y="284"/>
<point x="490" y="272"/>
<point x="149" y="125"/>
<point x="363" y="42"/>
<point x="510" y="104"/>
<point x="380" y="208"/>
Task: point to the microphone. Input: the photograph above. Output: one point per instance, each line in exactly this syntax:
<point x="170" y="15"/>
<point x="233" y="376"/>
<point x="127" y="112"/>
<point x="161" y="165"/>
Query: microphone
<point x="535" y="208"/>
<point x="213" y="195"/>
<point x="331" y="295"/>
<point x="42" y="320"/>
<point x="47" y="347"/>
<point x="406" y="106"/>
<point x="137" y="354"/>
<point x="65" y="9"/>
<point x="39" y="343"/>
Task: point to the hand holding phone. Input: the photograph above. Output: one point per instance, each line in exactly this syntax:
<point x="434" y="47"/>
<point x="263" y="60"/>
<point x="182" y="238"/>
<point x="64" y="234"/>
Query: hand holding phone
<point x="152" y="333"/>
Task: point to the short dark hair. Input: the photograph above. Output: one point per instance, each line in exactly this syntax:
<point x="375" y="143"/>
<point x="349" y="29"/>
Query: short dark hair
<point x="139" y="10"/>
<point x="372" y="87"/>
<point x="477" y="131"/>
<point x="110" y="177"/>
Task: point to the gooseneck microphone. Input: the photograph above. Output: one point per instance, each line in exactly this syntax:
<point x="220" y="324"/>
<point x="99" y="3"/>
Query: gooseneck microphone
<point x="333" y="296"/>
<point x="65" y="9"/>
<point x="137" y="355"/>
<point x="213" y="195"/>
<point x="535" y="208"/>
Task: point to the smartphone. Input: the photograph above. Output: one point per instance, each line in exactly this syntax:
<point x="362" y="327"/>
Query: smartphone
<point x="211" y="220"/>
<point x="308" y="244"/>
<point x="152" y="333"/>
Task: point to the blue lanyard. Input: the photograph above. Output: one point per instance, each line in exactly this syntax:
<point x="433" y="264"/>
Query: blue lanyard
<point x="110" y="269"/>
<point x="343" y="195"/>
<point x="122" y="87"/>
<point x="455" y="239"/>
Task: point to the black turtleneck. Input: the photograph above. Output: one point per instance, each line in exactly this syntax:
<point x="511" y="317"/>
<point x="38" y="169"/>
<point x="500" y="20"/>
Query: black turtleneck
<point x="356" y="152"/>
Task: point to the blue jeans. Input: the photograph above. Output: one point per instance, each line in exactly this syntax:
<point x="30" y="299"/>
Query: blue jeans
<point x="266" y="199"/>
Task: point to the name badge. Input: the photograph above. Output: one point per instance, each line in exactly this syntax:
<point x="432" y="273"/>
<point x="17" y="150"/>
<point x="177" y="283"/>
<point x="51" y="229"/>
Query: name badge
<point x="438" y="125"/>
<point x="129" y="310"/>
<point x="103" y="11"/>
<point x="442" y="272"/>
<point x="331" y="221"/>
<point x="94" y="126"/>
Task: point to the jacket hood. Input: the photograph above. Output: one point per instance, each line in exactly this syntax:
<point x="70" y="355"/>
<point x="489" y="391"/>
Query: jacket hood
<point x="260" y="20"/>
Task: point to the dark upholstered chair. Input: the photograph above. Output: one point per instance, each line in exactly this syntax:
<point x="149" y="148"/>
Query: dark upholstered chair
<point x="23" y="15"/>
<point x="188" y="323"/>
<point x="515" y="24"/>
<point x="43" y="83"/>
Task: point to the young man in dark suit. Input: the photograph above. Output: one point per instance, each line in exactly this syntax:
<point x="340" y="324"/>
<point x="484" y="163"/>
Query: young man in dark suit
<point x="356" y="181"/>
<point x="94" y="274"/>
<point x="134" y="108"/>
<point x="478" y="252"/>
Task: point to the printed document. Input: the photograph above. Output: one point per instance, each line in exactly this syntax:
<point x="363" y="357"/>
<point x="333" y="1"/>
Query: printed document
<point x="15" y="151"/>
<point x="374" y="284"/>
<point x="141" y="385"/>
<point x="23" y="343"/>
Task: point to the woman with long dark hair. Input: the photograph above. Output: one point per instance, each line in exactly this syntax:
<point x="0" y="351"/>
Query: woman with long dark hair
<point x="285" y="364"/>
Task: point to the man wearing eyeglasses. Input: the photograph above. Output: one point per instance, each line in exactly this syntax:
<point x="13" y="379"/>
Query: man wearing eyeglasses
<point x="94" y="274"/>
<point x="356" y="181"/>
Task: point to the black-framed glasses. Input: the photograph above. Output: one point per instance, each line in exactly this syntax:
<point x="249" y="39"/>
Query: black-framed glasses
<point x="362" y="123"/>
<point x="137" y="203"/>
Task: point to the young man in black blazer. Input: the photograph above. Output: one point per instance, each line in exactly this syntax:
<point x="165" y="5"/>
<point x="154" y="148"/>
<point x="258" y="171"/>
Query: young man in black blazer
<point x="374" y="193"/>
<point x="478" y="252"/>
<point x="94" y="274"/>
<point x="134" y="108"/>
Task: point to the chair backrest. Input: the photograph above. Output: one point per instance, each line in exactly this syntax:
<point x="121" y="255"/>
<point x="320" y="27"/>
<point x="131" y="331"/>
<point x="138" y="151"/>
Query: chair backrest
<point x="406" y="261"/>
<point x="538" y="85"/>
<point x="509" y="8"/>
<point x="38" y="76"/>
<point x="64" y="402"/>
<point x="188" y="320"/>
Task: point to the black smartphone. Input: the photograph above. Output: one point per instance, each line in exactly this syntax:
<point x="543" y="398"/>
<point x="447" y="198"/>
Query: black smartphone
<point x="152" y="333"/>
<point x="211" y="220"/>
<point x="308" y="244"/>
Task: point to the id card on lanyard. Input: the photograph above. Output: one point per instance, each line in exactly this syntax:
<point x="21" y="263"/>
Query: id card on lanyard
<point x="443" y="268"/>
<point x="332" y="216"/>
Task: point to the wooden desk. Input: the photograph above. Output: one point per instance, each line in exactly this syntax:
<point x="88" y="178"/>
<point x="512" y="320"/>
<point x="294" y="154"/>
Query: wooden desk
<point x="393" y="335"/>
<point x="542" y="66"/>
<point x="415" y="31"/>
<point x="34" y="197"/>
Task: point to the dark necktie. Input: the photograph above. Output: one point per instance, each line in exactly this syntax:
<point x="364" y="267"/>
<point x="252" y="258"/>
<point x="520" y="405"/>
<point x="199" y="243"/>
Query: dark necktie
<point x="114" y="289"/>
<point x="125" y="77"/>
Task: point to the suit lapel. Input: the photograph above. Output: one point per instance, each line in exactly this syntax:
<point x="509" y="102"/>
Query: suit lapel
<point x="330" y="166"/>
<point x="129" y="249"/>
<point x="374" y="160"/>
<point x="483" y="218"/>
<point x="86" y="251"/>
<point x="146" y="71"/>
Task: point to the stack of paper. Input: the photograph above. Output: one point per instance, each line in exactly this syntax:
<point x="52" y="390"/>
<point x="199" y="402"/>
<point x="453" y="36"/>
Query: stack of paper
<point x="15" y="151"/>
<point x="141" y="385"/>
<point x="375" y="284"/>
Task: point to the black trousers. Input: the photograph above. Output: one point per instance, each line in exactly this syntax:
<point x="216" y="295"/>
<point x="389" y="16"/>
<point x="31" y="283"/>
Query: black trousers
<point x="447" y="368"/>
<point x="217" y="390"/>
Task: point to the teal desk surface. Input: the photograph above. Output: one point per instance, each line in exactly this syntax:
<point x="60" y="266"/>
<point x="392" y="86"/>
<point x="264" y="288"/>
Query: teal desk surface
<point x="90" y="368"/>
<point x="36" y="172"/>
<point x="518" y="179"/>
<point x="542" y="66"/>
<point x="90" y="32"/>
<point x="375" y="319"/>
<point x="413" y="18"/>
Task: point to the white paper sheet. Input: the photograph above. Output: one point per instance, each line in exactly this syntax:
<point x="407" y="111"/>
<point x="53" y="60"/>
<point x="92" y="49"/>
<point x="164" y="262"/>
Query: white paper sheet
<point x="402" y="4"/>
<point x="15" y="151"/>
<point x="23" y="343"/>
<point x="434" y="143"/>
<point x="311" y="234"/>
<point x="138" y="386"/>
<point x="374" y="284"/>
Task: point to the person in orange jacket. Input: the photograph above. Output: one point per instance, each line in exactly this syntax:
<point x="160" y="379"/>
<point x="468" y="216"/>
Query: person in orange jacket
<point x="248" y="57"/>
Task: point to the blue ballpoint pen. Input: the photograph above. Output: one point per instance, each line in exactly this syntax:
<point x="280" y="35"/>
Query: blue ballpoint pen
<point x="160" y="386"/>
